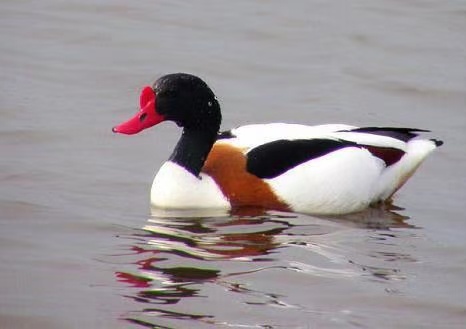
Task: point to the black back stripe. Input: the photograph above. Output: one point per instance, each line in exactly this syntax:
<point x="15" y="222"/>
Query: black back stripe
<point x="273" y="159"/>
<point x="403" y="134"/>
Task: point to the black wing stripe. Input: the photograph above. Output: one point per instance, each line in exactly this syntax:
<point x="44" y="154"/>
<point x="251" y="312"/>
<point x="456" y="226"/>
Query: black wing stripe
<point x="403" y="134"/>
<point x="273" y="159"/>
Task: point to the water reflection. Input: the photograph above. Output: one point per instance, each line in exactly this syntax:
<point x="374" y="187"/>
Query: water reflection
<point x="186" y="256"/>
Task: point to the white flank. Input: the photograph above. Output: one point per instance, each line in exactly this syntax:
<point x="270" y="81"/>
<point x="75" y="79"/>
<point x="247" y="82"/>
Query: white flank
<point x="337" y="183"/>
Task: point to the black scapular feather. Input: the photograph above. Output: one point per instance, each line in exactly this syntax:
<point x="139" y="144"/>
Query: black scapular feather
<point x="272" y="159"/>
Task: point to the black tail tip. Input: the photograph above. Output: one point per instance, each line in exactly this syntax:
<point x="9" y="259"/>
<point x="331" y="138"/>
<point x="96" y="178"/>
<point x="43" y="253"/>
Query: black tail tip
<point x="437" y="142"/>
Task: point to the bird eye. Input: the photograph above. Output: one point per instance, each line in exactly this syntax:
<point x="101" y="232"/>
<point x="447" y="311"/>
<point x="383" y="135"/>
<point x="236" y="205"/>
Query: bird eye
<point x="142" y="117"/>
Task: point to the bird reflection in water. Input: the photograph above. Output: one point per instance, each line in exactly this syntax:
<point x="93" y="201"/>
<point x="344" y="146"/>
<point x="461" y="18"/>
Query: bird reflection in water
<point x="179" y="253"/>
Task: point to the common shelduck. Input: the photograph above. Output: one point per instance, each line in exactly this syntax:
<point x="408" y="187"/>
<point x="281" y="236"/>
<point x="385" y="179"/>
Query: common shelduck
<point x="324" y="169"/>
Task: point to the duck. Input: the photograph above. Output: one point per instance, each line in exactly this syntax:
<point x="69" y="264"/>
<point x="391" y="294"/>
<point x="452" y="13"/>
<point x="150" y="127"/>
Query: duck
<point x="328" y="169"/>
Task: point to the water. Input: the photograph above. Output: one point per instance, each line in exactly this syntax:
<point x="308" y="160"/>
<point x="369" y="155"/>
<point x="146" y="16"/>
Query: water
<point x="79" y="245"/>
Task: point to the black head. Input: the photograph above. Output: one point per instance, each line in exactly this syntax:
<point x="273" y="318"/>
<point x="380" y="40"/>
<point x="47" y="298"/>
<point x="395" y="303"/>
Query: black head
<point x="188" y="101"/>
<point x="179" y="97"/>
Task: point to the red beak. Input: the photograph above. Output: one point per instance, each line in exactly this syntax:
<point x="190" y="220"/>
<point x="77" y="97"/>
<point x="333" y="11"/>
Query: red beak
<point x="145" y="118"/>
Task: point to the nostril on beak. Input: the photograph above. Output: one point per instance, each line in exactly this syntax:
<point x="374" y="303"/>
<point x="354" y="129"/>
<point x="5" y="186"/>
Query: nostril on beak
<point x="142" y="117"/>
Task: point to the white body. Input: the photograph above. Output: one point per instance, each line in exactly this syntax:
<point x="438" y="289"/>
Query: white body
<point x="344" y="181"/>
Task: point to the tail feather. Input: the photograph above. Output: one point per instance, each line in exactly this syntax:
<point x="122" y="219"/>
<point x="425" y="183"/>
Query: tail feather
<point x="437" y="142"/>
<point x="397" y="175"/>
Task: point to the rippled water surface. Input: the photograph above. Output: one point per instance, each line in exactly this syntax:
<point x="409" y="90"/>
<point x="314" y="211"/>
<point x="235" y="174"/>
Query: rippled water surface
<point x="80" y="247"/>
